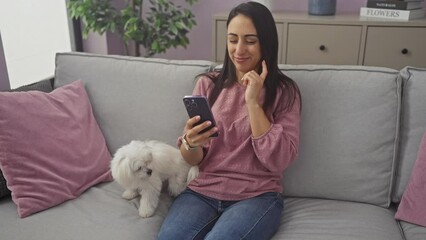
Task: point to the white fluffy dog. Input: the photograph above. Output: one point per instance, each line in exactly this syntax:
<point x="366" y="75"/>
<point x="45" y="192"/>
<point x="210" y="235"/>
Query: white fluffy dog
<point x="141" y="167"/>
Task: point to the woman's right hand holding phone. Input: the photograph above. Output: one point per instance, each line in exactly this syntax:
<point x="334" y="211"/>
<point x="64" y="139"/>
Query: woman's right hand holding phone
<point x="195" y="140"/>
<point x="192" y="132"/>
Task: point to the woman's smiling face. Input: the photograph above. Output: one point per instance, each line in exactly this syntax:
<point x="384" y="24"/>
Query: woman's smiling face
<point x="243" y="45"/>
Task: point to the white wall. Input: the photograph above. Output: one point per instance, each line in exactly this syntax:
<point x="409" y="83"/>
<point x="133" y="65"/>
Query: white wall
<point x="32" y="32"/>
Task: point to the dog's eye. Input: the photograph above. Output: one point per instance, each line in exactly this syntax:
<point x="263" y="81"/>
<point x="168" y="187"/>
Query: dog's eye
<point x="139" y="168"/>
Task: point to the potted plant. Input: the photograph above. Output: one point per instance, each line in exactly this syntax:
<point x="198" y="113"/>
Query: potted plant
<point x="162" y="26"/>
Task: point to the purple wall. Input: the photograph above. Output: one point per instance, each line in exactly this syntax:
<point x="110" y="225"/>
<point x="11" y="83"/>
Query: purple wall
<point x="200" y="36"/>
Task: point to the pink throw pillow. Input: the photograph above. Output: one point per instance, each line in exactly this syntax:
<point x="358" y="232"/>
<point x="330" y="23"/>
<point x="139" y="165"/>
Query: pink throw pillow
<point x="413" y="203"/>
<point x="51" y="147"/>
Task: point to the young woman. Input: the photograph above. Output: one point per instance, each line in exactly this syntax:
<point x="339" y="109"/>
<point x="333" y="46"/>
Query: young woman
<point x="237" y="194"/>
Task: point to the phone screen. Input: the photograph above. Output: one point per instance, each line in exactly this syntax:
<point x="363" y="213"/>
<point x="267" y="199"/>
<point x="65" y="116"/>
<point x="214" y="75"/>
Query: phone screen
<point x="198" y="105"/>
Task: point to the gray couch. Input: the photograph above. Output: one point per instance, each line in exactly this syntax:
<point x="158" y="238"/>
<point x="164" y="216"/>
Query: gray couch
<point x="360" y="132"/>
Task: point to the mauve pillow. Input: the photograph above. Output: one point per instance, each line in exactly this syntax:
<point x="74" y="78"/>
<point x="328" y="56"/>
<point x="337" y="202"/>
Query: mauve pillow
<point x="44" y="86"/>
<point x="51" y="147"/>
<point x="413" y="203"/>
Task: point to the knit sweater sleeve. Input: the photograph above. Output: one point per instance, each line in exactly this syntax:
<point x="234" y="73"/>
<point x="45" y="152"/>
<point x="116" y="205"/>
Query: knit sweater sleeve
<point x="278" y="147"/>
<point x="203" y="86"/>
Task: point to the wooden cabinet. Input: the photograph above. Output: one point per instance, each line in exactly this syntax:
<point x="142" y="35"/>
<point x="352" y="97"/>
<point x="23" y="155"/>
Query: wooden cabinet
<point x="219" y="41"/>
<point x="344" y="39"/>
<point x="323" y="44"/>
<point x="395" y="46"/>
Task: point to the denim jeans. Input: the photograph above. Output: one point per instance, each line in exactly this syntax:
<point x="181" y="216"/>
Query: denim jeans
<point x="194" y="216"/>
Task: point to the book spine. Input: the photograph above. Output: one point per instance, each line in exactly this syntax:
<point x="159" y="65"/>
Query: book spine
<point x="387" y="4"/>
<point x="385" y="13"/>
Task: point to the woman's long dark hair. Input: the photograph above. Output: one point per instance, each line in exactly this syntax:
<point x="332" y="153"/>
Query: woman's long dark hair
<point x="268" y="39"/>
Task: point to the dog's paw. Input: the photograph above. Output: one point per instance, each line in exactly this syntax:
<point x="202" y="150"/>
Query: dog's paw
<point x="146" y="212"/>
<point x="129" y="194"/>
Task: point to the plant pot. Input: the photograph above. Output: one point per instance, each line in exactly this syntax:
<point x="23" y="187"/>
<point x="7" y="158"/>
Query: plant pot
<point x="322" y="7"/>
<point x="266" y="3"/>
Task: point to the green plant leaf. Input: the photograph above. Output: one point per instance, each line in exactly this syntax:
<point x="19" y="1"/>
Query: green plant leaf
<point x="180" y="25"/>
<point x="164" y="25"/>
<point x="174" y="29"/>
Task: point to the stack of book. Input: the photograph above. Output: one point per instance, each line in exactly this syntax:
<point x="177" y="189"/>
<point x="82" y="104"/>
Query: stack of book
<point x="393" y="9"/>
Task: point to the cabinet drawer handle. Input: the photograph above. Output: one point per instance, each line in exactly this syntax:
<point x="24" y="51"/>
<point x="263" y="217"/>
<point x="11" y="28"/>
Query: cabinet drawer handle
<point x="322" y="48"/>
<point x="404" y="51"/>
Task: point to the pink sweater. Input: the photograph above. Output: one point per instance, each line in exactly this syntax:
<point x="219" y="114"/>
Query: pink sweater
<point x="238" y="166"/>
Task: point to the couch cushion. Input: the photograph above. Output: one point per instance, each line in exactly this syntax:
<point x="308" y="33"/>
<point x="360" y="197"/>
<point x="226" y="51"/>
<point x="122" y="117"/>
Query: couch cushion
<point x="51" y="147"/>
<point x="133" y="98"/>
<point x="4" y="191"/>
<point x="348" y="135"/>
<point x="335" y="220"/>
<point x="42" y="85"/>
<point x="413" y="124"/>
<point x="98" y="214"/>
<point x="412" y="231"/>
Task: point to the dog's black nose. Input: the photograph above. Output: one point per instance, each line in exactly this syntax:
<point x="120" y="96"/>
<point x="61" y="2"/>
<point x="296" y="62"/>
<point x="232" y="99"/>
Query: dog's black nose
<point x="149" y="172"/>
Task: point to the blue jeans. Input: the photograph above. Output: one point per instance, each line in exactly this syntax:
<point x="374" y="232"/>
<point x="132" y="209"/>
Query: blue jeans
<point x="194" y="216"/>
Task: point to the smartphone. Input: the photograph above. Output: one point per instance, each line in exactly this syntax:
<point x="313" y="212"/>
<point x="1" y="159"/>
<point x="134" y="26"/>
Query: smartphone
<point x="198" y="105"/>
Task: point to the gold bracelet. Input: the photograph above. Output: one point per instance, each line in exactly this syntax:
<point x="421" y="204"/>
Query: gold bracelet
<point x="186" y="144"/>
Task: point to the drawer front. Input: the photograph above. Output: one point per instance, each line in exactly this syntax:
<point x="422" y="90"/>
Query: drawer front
<point x="323" y="44"/>
<point x="220" y="41"/>
<point x="395" y="47"/>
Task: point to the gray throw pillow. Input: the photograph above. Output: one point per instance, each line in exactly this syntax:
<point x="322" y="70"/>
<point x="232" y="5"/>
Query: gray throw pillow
<point x="44" y="86"/>
<point x="3" y="189"/>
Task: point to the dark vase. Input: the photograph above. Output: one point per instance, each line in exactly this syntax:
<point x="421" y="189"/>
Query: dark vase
<point x="322" y="7"/>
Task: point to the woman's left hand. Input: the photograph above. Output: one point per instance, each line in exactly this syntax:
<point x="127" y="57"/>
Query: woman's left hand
<point x="254" y="84"/>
